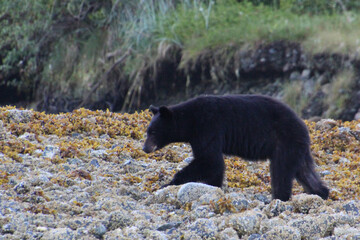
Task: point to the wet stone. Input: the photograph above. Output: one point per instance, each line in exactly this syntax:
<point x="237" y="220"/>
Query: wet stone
<point x="193" y="191"/>
<point x="22" y="188"/>
<point x="305" y="202"/>
<point x="351" y="208"/>
<point x="283" y="232"/>
<point x="205" y="228"/>
<point x="98" y="230"/>
<point x="59" y="234"/>
<point x="19" y="116"/>
<point x="245" y="223"/>
<point x="119" y="219"/>
<point x="276" y="207"/>
<point x="95" y="163"/>
<point x="228" y="234"/>
<point x="168" y="226"/>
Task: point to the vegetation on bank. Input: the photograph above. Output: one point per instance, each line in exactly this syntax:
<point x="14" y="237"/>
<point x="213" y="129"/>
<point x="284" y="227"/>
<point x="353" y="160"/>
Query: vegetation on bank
<point x="84" y="51"/>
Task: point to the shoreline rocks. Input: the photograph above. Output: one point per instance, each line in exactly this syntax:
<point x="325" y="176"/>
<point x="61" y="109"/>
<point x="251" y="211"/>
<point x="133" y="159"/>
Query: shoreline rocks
<point x="83" y="186"/>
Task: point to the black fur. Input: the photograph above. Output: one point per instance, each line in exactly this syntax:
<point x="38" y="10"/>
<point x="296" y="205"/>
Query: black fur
<point x="250" y="126"/>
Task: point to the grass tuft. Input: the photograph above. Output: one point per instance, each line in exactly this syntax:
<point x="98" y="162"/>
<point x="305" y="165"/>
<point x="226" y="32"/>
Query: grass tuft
<point x="293" y="95"/>
<point x="339" y="94"/>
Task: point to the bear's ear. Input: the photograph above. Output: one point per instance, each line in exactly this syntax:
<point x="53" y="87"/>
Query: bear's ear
<point x="154" y="109"/>
<point x="165" y="112"/>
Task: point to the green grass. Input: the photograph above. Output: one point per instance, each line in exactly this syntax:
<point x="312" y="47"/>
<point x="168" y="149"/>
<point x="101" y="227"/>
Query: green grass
<point x="340" y="90"/>
<point x="244" y="23"/>
<point x="293" y="95"/>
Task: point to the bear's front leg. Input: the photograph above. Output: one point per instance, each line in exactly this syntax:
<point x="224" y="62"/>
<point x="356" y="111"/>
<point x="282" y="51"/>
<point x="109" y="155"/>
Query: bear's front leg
<point x="206" y="170"/>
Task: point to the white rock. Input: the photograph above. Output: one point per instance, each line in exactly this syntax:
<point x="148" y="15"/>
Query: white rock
<point x="192" y="191"/>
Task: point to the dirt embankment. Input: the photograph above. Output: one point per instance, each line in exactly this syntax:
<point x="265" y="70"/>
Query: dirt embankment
<point x="320" y="85"/>
<point x="315" y="85"/>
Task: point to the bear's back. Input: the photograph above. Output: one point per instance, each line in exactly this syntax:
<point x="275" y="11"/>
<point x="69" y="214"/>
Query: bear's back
<point x="249" y="125"/>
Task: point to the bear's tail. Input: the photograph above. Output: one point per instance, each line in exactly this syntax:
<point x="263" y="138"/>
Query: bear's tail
<point x="309" y="179"/>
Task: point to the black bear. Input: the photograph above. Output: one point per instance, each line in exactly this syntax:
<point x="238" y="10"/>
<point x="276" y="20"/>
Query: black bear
<point x="253" y="127"/>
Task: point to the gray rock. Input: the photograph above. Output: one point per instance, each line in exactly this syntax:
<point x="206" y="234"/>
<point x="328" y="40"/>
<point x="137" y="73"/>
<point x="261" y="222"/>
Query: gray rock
<point x="102" y="154"/>
<point x="276" y="207"/>
<point x="168" y="226"/>
<point x="113" y="203"/>
<point x="98" y="230"/>
<point x="192" y="191"/>
<point x="254" y="236"/>
<point x="351" y="208"/>
<point x="22" y="188"/>
<point x="117" y="234"/>
<point x="19" y="116"/>
<point x="67" y="167"/>
<point x="305" y="202"/>
<point x="324" y="173"/>
<point x="12" y="181"/>
<point x="8" y="228"/>
<point x="119" y="219"/>
<point x="131" y="166"/>
<point x="269" y="224"/>
<point x="74" y="161"/>
<point x="95" y="163"/>
<point x="28" y="136"/>
<point x="59" y="234"/>
<point x="105" y="137"/>
<point x="3" y="131"/>
<point x="357" y="116"/>
<point x="132" y="233"/>
<point x="245" y="223"/>
<point x="262" y="198"/>
<point x="240" y="204"/>
<point x="228" y="234"/>
<point x="155" y="235"/>
<point x="209" y="198"/>
<point x="205" y="228"/>
<point x="295" y="75"/>
<point x="347" y="232"/>
<point x="203" y="212"/>
<point x="74" y="223"/>
<point x="312" y="227"/>
<point x="283" y="232"/>
<point x="164" y="195"/>
<point x="76" y="135"/>
<point x="188" y="235"/>
<point x="41" y="179"/>
<point x="344" y="129"/>
<point x="51" y="151"/>
<point x="188" y="159"/>
<point x="9" y="206"/>
<point x="82" y="197"/>
<point x="339" y="219"/>
<point x="325" y="124"/>
<point x="305" y="74"/>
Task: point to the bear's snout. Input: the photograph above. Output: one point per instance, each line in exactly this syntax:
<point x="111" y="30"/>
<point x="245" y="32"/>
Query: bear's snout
<point x="145" y="149"/>
<point x="149" y="148"/>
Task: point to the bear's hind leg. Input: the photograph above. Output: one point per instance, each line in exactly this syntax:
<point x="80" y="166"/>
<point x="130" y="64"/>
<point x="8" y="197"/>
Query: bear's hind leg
<point x="281" y="181"/>
<point x="283" y="167"/>
<point x="205" y="169"/>
<point x="310" y="180"/>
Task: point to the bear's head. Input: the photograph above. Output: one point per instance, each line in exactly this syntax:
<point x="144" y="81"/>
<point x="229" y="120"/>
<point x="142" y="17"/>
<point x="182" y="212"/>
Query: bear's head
<point x="161" y="127"/>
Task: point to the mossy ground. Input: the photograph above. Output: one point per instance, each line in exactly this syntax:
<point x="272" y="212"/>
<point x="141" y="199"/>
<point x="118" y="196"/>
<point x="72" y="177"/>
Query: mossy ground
<point x="335" y="150"/>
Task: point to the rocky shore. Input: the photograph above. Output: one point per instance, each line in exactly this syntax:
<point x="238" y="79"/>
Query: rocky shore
<point x="83" y="175"/>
